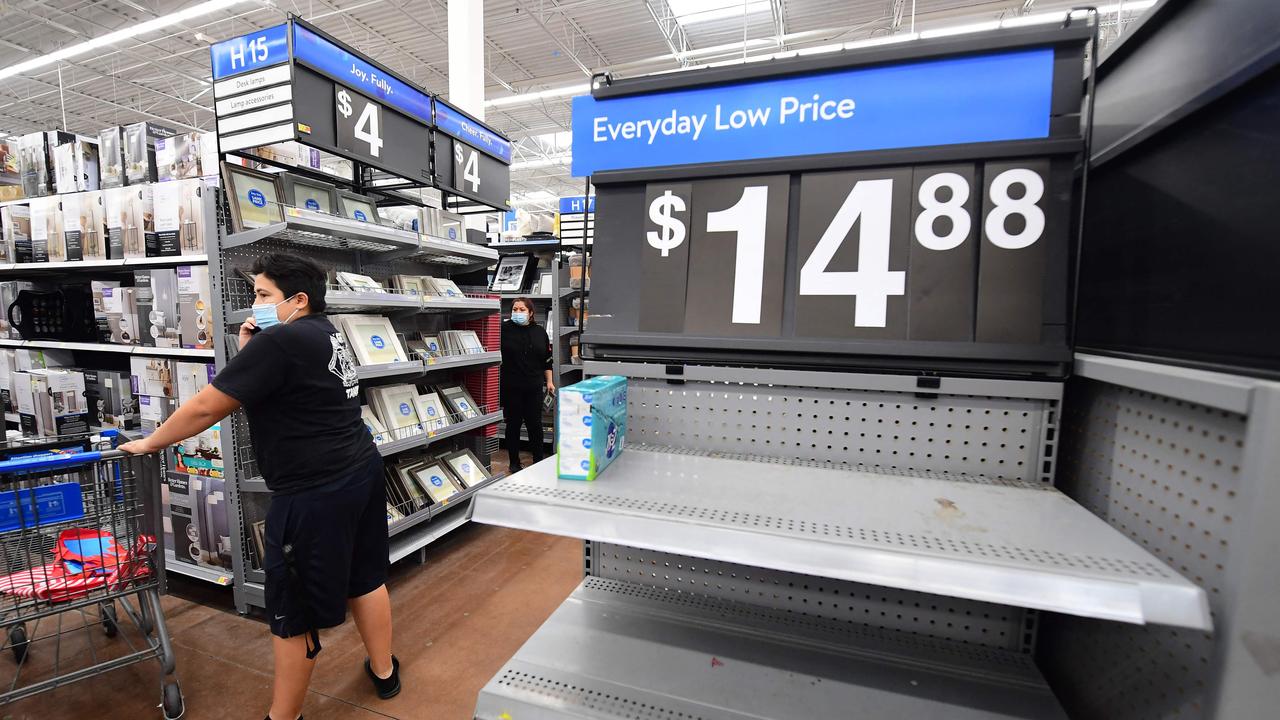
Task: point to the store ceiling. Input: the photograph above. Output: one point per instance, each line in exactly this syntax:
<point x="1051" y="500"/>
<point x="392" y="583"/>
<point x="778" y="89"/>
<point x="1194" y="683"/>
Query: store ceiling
<point x="531" y="45"/>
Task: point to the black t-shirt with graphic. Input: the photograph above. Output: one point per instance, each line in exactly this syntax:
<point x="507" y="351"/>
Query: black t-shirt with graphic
<point x="298" y="385"/>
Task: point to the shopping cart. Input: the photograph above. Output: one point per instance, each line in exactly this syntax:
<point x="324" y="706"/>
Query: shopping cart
<point x="78" y="539"/>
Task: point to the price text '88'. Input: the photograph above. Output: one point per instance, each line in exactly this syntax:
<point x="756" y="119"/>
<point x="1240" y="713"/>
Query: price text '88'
<point x="948" y="252"/>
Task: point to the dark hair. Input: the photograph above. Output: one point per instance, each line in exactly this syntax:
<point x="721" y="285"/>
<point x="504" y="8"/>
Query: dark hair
<point x="527" y="303"/>
<point x="294" y="274"/>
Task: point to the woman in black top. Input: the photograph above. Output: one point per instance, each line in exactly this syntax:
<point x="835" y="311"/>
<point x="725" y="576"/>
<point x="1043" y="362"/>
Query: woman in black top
<point x="525" y="378"/>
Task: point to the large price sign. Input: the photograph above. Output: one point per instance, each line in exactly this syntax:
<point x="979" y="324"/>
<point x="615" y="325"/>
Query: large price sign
<point x="943" y="253"/>
<point x="463" y="170"/>
<point x="879" y="206"/>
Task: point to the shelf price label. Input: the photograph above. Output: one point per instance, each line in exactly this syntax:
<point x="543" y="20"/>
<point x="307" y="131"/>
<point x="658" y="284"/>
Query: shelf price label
<point x="946" y="253"/>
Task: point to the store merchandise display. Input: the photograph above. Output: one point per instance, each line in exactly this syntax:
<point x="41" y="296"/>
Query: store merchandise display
<point x="308" y="194"/>
<point x="372" y="338"/>
<point x="254" y="197"/>
<point x="359" y="207"/>
<point x="418" y="483"/>
<point x="591" y="426"/>
<point x="512" y="273"/>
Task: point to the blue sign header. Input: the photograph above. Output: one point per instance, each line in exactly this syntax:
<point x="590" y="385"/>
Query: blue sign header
<point x="359" y="74"/>
<point x="451" y="121"/>
<point x="983" y="98"/>
<point x="263" y="48"/>
<point x="577" y="204"/>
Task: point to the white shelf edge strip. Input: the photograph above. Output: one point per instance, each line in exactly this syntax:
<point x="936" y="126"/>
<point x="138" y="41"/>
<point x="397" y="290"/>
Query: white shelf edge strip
<point x="629" y="505"/>
<point x="1232" y="393"/>
<point x="107" y="347"/>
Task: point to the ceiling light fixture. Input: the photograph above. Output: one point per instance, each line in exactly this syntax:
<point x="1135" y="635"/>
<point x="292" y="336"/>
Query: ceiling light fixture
<point x="539" y="95"/>
<point x="542" y="162"/>
<point x="688" y="12"/>
<point x="112" y="38"/>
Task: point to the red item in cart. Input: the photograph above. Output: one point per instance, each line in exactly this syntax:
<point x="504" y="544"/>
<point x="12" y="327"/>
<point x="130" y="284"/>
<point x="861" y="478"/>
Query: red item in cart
<point x="55" y="582"/>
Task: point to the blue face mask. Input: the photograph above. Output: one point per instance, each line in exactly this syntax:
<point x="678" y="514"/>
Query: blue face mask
<point x="266" y="315"/>
<point x="520" y="318"/>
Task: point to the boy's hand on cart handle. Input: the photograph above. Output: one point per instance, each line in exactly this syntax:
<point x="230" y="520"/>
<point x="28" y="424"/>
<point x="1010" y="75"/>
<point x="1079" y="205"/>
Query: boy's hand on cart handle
<point x="247" y="329"/>
<point x="139" y="447"/>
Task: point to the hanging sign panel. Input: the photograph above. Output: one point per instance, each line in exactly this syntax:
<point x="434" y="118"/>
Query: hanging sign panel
<point x="292" y="82"/>
<point x="959" y="254"/>
<point x="951" y="101"/>
<point x="355" y="108"/>
<point x="461" y="126"/>
<point x="252" y="89"/>
<point x="466" y="171"/>
<point x="254" y="51"/>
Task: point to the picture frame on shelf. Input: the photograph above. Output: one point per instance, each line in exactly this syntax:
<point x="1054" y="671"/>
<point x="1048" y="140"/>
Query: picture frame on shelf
<point x="432" y="412"/>
<point x="373" y="339"/>
<point x="417" y="494"/>
<point x="459" y="401"/>
<point x="466" y="467"/>
<point x="355" y="206"/>
<point x="510" y="275"/>
<point x="307" y="194"/>
<point x="254" y="197"/>
<point x="375" y="426"/>
<point x="395" y="405"/>
<point x="546" y="282"/>
<point x="436" y="480"/>
<point x="446" y="289"/>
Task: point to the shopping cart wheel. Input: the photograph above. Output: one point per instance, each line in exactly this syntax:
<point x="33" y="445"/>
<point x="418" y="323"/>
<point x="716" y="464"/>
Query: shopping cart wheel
<point x="110" y="622"/>
<point x="173" y="705"/>
<point x="18" y="642"/>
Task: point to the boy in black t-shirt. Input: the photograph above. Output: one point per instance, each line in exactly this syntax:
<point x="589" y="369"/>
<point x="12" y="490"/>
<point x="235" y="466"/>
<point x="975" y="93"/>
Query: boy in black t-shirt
<point x="326" y="528"/>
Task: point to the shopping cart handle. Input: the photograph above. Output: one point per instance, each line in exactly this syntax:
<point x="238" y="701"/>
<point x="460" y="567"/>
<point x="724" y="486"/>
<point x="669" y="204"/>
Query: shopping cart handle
<point x="55" y="462"/>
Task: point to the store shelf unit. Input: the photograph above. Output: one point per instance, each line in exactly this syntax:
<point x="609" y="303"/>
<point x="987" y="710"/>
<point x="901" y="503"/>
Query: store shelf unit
<point x="380" y="252"/>
<point x="91" y="266"/>
<point x="618" y="645"/>
<point x="760" y="516"/>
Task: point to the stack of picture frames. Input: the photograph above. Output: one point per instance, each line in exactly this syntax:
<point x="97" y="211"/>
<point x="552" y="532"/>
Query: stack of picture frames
<point x="416" y="484"/>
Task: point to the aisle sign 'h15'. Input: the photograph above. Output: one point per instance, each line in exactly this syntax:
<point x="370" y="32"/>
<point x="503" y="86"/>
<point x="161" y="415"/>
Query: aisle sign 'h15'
<point x="910" y="204"/>
<point x="294" y="82"/>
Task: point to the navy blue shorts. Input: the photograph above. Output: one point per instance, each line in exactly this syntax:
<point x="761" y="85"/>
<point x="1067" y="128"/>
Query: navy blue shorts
<point x="324" y="547"/>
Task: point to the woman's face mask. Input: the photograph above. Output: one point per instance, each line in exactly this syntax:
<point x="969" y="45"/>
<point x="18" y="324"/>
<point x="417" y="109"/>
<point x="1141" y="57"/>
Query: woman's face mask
<point x="267" y="314"/>
<point x="520" y="317"/>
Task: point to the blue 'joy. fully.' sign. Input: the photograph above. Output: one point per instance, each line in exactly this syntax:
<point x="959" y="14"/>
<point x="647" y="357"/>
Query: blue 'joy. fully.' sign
<point x="980" y="98"/>
<point x="346" y="67"/>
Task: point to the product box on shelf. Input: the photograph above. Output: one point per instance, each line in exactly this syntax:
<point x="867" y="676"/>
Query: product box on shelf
<point x="591" y="426"/>
<point x="82" y="226"/>
<point x="9" y="290"/>
<point x="120" y="309"/>
<point x="140" y="151"/>
<point x="100" y="316"/>
<point x="35" y="161"/>
<point x="200" y="454"/>
<point x="24" y="400"/>
<point x="179" y="219"/>
<point x="46" y="230"/>
<point x="60" y="402"/>
<point x="157" y="297"/>
<point x="115" y="209"/>
<point x="8" y="366"/>
<point x="27" y="359"/>
<point x="15" y="225"/>
<point x="109" y="398"/>
<point x="111" y="158"/>
<point x="185" y="156"/>
<point x="153" y="377"/>
<point x="76" y="166"/>
<point x="195" y="310"/>
<point x="153" y="411"/>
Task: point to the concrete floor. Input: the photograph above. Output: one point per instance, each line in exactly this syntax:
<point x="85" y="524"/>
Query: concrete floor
<point x="482" y="592"/>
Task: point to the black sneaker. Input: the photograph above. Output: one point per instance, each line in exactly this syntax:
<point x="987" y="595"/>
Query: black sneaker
<point x="388" y="688"/>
